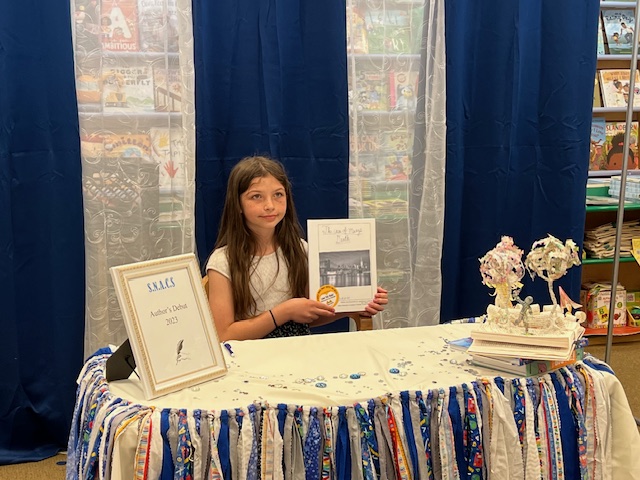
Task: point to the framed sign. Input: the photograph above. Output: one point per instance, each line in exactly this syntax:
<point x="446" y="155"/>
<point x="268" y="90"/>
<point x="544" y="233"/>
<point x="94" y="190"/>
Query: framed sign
<point x="173" y="338"/>
<point x="342" y="262"/>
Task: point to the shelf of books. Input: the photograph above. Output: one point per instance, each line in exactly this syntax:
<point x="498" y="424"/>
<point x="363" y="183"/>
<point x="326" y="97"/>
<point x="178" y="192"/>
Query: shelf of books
<point x="130" y="105"/>
<point x="612" y="91"/>
<point x="383" y="47"/>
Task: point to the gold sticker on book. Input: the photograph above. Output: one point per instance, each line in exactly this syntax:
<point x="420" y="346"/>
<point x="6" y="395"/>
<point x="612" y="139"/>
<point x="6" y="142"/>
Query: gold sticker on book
<point x="328" y="294"/>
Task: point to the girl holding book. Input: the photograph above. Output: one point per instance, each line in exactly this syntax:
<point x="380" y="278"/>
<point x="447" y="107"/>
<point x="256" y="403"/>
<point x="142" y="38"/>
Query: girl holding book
<point x="258" y="270"/>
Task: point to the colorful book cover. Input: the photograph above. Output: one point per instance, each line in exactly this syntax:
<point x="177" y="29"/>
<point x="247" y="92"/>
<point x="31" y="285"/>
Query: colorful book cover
<point x="86" y="23"/>
<point x="372" y="91"/>
<point x="618" y="28"/>
<point x="136" y="145"/>
<point x="364" y="166"/>
<point x="613" y="147"/>
<point x="167" y="149"/>
<point x="614" y="85"/>
<point x="88" y="89"/>
<point x="388" y="31"/>
<point x="403" y="90"/>
<point x="399" y="141"/>
<point x="158" y="25"/>
<point x="168" y="152"/>
<point x="597" y="94"/>
<point x="601" y="42"/>
<point x="356" y="32"/>
<point x="167" y="88"/>
<point x="128" y="89"/>
<point x="119" y="25"/>
<point x="365" y="142"/>
<point x="598" y="138"/>
<point x="396" y="166"/>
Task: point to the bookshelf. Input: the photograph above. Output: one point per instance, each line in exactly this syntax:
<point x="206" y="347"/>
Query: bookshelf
<point x="610" y="122"/>
<point x="383" y="55"/>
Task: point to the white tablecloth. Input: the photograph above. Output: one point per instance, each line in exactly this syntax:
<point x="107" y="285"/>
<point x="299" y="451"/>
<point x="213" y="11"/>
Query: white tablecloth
<point x="360" y="368"/>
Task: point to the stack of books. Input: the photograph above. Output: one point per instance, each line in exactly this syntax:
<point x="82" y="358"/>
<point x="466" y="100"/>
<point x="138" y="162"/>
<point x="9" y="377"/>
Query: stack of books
<point x="523" y="355"/>
<point x="600" y="242"/>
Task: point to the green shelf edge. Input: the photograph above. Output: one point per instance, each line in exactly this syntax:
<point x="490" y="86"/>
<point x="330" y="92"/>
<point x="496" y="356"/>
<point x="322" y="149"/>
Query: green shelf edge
<point x="592" y="261"/>
<point x="611" y="208"/>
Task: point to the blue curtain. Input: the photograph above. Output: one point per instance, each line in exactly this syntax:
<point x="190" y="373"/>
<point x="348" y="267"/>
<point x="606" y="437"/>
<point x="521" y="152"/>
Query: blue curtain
<point x="519" y="97"/>
<point x="271" y="78"/>
<point x="41" y="230"/>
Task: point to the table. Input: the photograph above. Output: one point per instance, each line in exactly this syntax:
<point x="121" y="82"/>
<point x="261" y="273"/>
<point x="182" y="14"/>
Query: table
<point x="396" y="403"/>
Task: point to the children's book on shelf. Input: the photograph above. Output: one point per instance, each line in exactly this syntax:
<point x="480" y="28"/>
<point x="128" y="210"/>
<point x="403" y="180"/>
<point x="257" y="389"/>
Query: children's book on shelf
<point x="128" y="88"/>
<point x="134" y="145"/>
<point x="398" y="141"/>
<point x="615" y="85"/>
<point x="168" y="152"/>
<point x="601" y="41"/>
<point x="396" y="166"/>
<point x="119" y="25"/>
<point x="597" y="94"/>
<point x="111" y="145"/>
<point x="365" y="142"/>
<point x="403" y="90"/>
<point x="371" y="91"/>
<point x="86" y="24"/>
<point x="607" y="158"/>
<point x="364" y="166"/>
<point x="598" y="138"/>
<point x="158" y="25"/>
<point x="618" y="28"/>
<point x="388" y="30"/>
<point x="342" y="262"/>
<point x="167" y="149"/>
<point x="356" y="32"/>
<point x="167" y="89"/>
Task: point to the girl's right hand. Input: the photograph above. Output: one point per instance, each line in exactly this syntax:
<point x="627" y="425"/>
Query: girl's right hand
<point x="303" y="310"/>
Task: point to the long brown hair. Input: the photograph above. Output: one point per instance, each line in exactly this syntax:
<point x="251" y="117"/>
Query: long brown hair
<point x="242" y="246"/>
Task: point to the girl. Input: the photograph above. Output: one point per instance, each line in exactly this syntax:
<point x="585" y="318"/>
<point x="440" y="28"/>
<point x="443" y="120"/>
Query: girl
<point x="258" y="271"/>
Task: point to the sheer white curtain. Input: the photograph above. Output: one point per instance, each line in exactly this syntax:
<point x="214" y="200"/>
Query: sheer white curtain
<point x="396" y="75"/>
<point x="135" y="89"/>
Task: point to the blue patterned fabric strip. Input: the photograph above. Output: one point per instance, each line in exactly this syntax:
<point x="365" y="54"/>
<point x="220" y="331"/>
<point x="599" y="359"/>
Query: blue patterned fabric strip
<point x="519" y="409"/>
<point x="577" y="403"/>
<point x="183" y="461"/>
<point x="453" y="407"/>
<point x="223" y="445"/>
<point x="569" y="430"/>
<point x="473" y="443"/>
<point x="167" y="458"/>
<point x="312" y="444"/>
<point x="425" y="428"/>
<point x="343" y="451"/>
<point x="408" y="431"/>
<point x="367" y="442"/>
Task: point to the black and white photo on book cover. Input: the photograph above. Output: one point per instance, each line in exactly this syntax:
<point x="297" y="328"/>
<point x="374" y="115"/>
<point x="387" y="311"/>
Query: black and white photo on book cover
<point x="342" y="262"/>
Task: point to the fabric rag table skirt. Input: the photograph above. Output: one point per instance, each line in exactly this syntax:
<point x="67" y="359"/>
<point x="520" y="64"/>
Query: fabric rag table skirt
<point x="574" y="423"/>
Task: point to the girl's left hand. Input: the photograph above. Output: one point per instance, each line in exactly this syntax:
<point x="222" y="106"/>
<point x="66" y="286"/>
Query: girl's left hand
<point x="377" y="304"/>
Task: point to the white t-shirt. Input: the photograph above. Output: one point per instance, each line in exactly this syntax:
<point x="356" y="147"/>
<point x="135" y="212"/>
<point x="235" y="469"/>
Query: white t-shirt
<point x="269" y="282"/>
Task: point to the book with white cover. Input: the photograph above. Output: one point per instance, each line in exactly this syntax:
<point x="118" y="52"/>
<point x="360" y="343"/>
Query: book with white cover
<point x="557" y="346"/>
<point x="342" y="262"/>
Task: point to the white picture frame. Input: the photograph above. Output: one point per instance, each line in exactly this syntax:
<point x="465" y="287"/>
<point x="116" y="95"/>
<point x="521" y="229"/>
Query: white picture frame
<point x="342" y="262"/>
<point x="169" y="323"/>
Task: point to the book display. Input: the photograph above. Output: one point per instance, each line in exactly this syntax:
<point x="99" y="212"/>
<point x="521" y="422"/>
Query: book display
<point x="383" y="39"/>
<point x="135" y="148"/>
<point x="607" y="156"/>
